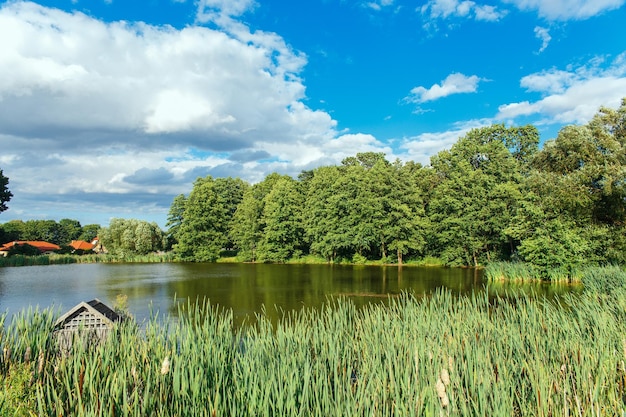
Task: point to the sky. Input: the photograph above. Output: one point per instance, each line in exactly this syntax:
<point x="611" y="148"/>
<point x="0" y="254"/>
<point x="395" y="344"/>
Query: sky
<point x="111" y="108"/>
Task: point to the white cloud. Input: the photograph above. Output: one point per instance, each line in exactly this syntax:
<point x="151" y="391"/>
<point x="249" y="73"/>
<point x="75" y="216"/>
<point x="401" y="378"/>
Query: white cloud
<point x="543" y="35"/>
<point x="444" y="9"/>
<point x="379" y="4"/>
<point x="571" y="96"/>
<point x="209" y="8"/>
<point x="89" y="108"/>
<point x="455" y="83"/>
<point x="568" y="9"/>
<point x="421" y="147"/>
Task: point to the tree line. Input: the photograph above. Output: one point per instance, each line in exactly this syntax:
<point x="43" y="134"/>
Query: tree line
<point x="495" y="195"/>
<point x="60" y="233"/>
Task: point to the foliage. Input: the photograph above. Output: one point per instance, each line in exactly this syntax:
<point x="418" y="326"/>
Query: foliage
<point x="59" y="233"/>
<point x="477" y="193"/>
<point x="5" y="194"/>
<point x="127" y="237"/>
<point x="207" y="218"/>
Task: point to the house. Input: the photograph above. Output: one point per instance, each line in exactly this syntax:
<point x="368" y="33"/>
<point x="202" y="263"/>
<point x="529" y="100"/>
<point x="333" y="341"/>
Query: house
<point x="91" y="320"/>
<point x="44" y="247"/>
<point x="97" y="246"/>
<point x="82" y="245"/>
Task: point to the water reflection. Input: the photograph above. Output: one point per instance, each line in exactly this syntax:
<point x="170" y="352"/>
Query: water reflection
<point x="244" y="288"/>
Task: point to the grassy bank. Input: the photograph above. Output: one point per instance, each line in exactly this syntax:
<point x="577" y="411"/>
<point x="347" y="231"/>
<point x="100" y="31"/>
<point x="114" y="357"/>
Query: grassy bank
<point x="468" y="356"/>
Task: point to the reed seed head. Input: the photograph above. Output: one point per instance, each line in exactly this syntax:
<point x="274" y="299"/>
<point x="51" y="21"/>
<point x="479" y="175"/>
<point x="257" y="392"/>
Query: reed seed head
<point x="165" y="367"/>
<point x="27" y="354"/>
<point x="40" y="362"/>
<point x="441" y="393"/>
<point x="445" y="377"/>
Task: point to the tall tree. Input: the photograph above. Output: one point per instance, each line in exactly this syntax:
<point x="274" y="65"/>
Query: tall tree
<point x="282" y="217"/>
<point x="477" y="193"/>
<point x="175" y="217"/>
<point x="5" y="194"/>
<point x="248" y="225"/>
<point x="209" y="210"/>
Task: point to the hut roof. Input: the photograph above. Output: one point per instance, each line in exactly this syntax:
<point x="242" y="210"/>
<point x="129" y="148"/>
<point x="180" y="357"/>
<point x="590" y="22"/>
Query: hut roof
<point x="94" y="308"/>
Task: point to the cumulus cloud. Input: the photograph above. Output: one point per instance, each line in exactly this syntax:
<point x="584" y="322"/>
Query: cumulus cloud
<point x="543" y="35"/>
<point x="90" y="108"/>
<point x="455" y="83"/>
<point x="572" y="95"/>
<point x="568" y="9"/>
<point x="420" y="148"/>
<point x="444" y="9"/>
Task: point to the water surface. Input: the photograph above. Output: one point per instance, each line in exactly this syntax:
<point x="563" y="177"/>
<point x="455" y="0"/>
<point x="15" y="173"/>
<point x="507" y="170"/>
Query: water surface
<point x="244" y="288"/>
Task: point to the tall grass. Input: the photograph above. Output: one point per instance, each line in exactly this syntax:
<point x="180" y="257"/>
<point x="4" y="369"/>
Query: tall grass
<point x="524" y="272"/>
<point x="444" y="355"/>
<point x="58" y="259"/>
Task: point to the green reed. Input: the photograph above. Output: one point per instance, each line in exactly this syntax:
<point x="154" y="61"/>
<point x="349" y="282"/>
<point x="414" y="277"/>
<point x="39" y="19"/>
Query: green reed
<point x="444" y="355"/>
<point x="524" y="272"/>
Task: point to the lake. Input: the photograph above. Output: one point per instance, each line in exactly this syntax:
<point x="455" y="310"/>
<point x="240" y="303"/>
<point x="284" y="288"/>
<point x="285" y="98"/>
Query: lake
<point x="244" y="288"/>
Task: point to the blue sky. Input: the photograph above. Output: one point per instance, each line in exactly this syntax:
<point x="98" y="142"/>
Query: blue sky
<point x="111" y="108"/>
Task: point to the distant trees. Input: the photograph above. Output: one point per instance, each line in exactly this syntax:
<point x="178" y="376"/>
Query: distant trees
<point x="59" y="233"/>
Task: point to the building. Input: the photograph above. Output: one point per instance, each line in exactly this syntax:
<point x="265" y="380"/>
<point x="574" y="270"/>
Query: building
<point x="82" y="245"/>
<point x="44" y="247"/>
<point x="91" y="320"/>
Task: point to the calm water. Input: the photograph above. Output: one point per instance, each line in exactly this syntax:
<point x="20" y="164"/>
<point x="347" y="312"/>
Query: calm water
<point x="244" y="288"/>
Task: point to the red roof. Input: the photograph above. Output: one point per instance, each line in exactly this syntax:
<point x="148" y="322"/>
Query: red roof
<point x="81" y="245"/>
<point x="39" y="244"/>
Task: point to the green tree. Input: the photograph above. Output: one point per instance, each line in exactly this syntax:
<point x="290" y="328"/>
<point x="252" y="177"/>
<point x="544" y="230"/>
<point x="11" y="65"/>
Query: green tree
<point x="207" y="218"/>
<point x="89" y="232"/>
<point x="283" y="233"/>
<point x="11" y="231"/>
<point x="248" y="224"/>
<point x="405" y="223"/>
<point x="127" y="237"/>
<point x="46" y="230"/>
<point x="477" y="193"/>
<point x="323" y="215"/>
<point x="5" y="194"/>
<point x="69" y="230"/>
<point x="175" y="217"/>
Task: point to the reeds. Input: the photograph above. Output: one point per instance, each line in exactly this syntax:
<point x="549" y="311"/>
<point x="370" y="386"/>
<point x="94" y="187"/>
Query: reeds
<point x="524" y="272"/>
<point x="444" y="355"/>
<point x="59" y="259"/>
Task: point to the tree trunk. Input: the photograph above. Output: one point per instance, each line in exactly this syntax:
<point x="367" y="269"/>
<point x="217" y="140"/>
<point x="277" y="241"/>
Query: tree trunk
<point x="399" y="257"/>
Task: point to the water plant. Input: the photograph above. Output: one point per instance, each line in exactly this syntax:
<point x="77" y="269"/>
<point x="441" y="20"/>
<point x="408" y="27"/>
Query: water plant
<point x="443" y="355"/>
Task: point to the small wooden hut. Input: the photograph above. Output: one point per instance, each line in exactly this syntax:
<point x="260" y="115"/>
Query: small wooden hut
<point x="91" y="320"/>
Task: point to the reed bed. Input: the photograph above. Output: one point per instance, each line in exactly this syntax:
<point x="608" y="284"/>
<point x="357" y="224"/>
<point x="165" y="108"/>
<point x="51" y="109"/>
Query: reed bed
<point x="443" y="355"/>
<point x="524" y="272"/>
<point x="61" y="259"/>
